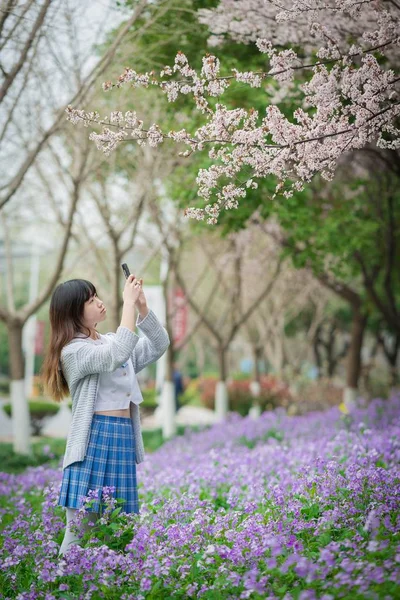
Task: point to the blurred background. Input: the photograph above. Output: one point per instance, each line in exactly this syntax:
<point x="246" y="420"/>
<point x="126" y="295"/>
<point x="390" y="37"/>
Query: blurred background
<point x="271" y="308"/>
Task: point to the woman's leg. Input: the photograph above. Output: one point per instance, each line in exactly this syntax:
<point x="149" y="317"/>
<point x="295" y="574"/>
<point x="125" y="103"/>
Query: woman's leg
<point x="71" y="537"/>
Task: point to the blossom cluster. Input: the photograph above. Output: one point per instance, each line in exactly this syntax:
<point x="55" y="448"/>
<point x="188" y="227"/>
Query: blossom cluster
<point x="352" y="96"/>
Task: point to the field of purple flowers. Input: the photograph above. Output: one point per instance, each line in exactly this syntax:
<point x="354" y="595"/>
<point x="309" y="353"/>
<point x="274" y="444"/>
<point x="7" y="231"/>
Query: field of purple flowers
<point x="282" y="507"/>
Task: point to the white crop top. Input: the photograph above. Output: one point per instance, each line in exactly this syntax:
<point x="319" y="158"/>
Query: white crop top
<point x="117" y="389"/>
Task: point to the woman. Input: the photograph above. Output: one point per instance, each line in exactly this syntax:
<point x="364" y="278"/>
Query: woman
<point x="104" y="441"/>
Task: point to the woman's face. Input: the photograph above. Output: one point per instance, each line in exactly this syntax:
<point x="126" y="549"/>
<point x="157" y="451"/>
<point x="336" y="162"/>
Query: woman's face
<point x="94" y="311"/>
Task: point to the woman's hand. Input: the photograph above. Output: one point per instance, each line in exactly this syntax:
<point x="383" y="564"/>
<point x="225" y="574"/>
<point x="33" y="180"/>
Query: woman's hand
<point x="141" y="302"/>
<point x="132" y="290"/>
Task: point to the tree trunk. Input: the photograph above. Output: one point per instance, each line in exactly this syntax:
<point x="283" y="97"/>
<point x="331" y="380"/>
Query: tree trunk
<point x="393" y="369"/>
<point x="391" y="355"/>
<point x="167" y="404"/>
<point x="267" y="364"/>
<point x="280" y="355"/>
<point x="221" y="392"/>
<point x="330" y="351"/>
<point x="19" y="404"/>
<point x="116" y="293"/>
<point x="317" y="352"/>
<point x="255" y="387"/>
<point x="366" y="369"/>
<point x="200" y="356"/>
<point x="394" y="377"/>
<point x="222" y="363"/>
<point x="168" y="326"/>
<point x="257" y="354"/>
<point x="354" y="356"/>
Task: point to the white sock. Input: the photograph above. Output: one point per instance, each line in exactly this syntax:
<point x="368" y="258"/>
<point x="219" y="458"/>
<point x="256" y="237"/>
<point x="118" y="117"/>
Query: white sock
<point x="70" y="537"/>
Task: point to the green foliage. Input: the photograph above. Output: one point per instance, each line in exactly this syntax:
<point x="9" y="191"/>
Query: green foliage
<point x="336" y="311"/>
<point x="191" y="395"/>
<point x="331" y="234"/>
<point x="39" y="411"/>
<point x="240" y="376"/>
<point x="325" y="225"/>
<point x="270" y="434"/>
<point x="273" y="393"/>
<point x="305" y="512"/>
<point x="154" y="49"/>
<point x="4" y="386"/>
<point x="149" y="398"/>
<point x="48" y="450"/>
<point x="44" y="451"/>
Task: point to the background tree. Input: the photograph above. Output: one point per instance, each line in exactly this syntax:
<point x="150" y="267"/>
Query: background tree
<point x="342" y="96"/>
<point x="41" y="71"/>
<point x="226" y="302"/>
<point x="349" y="102"/>
<point x="38" y="86"/>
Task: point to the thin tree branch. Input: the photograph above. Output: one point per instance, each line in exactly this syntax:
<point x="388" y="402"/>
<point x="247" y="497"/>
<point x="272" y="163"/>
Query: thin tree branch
<point x="80" y="95"/>
<point x="18" y="66"/>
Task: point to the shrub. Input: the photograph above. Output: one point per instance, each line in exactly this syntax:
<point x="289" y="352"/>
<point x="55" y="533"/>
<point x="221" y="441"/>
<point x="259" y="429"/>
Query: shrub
<point x="39" y="410"/>
<point x="45" y="450"/>
<point x="316" y="395"/>
<point x="5" y="386"/>
<point x="207" y="391"/>
<point x="376" y="381"/>
<point x="191" y="395"/>
<point x="149" y="398"/>
<point x="273" y="393"/>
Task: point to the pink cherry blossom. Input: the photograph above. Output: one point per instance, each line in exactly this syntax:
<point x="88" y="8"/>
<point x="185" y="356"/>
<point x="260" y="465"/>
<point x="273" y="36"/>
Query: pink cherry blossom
<point x="352" y="94"/>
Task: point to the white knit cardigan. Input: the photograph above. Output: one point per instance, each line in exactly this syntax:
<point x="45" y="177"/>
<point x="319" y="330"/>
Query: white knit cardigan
<point x="81" y="363"/>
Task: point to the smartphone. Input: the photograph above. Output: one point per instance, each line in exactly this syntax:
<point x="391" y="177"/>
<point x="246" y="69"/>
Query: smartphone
<point x="126" y="270"/>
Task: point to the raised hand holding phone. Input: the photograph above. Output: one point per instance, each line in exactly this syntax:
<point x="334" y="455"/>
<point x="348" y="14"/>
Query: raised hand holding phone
<point x="126" y="270"/>
<point x="140" y="302"/>
<point x="131" y="290"/>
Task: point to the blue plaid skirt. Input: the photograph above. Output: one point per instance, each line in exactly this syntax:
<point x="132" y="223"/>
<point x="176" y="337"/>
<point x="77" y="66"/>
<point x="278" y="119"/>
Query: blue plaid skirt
<point x="110" y="461"/>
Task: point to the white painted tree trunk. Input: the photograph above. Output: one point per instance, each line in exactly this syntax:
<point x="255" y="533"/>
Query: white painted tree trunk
<point x="168" y="410"/>
<point x="350" y="397"/>
<point x="221" y="400"/>
<point x="255" y="410"/>
<point x="20" y="418"/>
<point x="29" y="330"/>
<point x="28" y="342"/>
<point x="161" y="365"/>
<point x="59" y="424"/>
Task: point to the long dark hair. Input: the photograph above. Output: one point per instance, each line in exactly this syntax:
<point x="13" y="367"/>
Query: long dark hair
<point x="66" y="313"/>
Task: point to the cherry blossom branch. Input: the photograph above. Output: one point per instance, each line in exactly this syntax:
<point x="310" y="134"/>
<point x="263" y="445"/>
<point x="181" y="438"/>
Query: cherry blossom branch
<point x="144" y="79"/>
<point x="353" y="105"/>
<point x="77" y="116"/>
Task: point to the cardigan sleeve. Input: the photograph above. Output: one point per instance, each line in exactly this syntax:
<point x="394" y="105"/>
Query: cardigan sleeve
<point x="152" y="347"/>
<point x="80" y="358"/>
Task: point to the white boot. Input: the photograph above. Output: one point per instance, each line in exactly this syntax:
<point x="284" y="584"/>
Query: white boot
<point x="70" y="537"/>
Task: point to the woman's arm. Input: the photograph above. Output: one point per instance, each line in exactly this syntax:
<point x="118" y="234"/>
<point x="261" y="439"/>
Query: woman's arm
<point x="80" y="358"/>
<point x="150" y="348"/>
